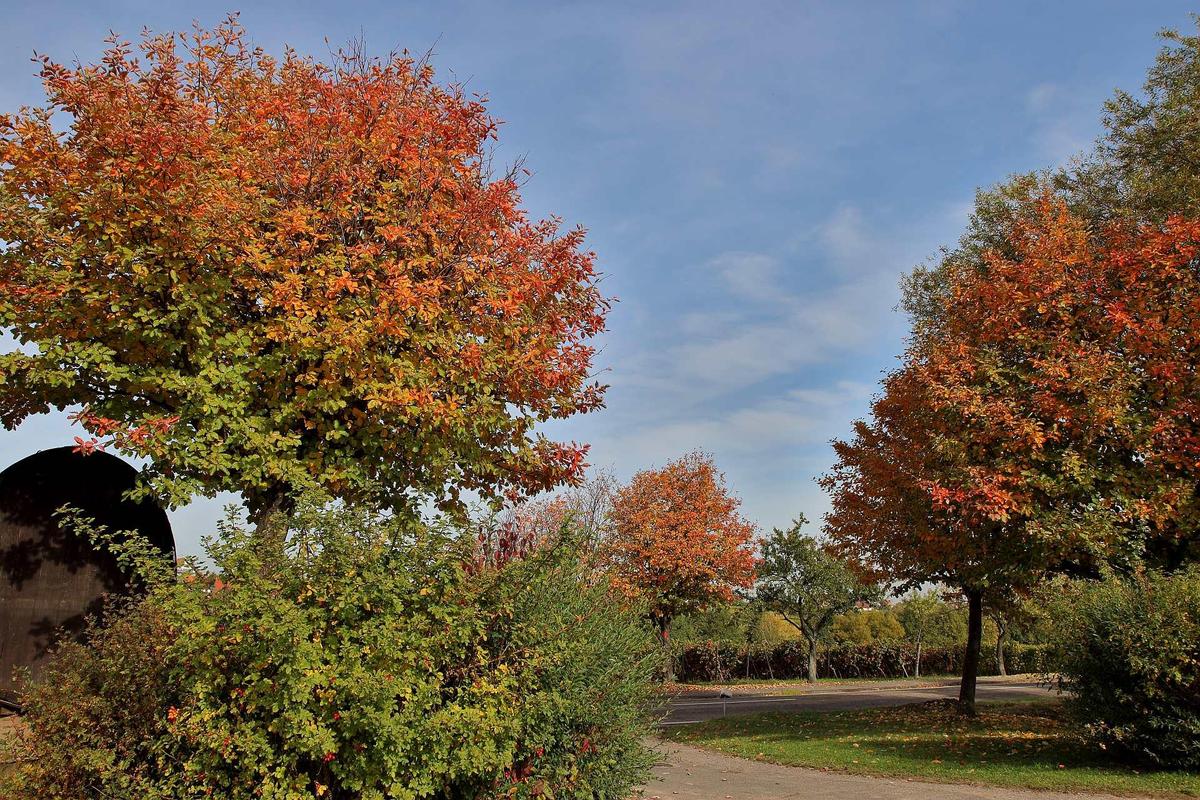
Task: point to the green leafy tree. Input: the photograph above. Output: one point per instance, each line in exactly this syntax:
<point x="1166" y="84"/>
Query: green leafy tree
<point x="807" y="586"/>
<point x="1144" y="167"/>
<point x="917" y="613"/>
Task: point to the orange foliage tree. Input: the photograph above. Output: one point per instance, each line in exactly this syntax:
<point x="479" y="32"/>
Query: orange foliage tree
<point x="1046" y="422"/>
<point x="886" y="514"/>
<point x="269" y="274"/>
<point x="1073" y="366"/>
<point x="678" y="541"/>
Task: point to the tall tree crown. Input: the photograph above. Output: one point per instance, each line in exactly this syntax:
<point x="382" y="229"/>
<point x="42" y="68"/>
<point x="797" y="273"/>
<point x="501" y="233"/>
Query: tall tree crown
<point x="271" y="274"/>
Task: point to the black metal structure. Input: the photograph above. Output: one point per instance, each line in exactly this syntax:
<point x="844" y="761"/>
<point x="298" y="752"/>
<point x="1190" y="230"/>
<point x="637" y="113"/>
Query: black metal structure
<point x="52" y="579"/>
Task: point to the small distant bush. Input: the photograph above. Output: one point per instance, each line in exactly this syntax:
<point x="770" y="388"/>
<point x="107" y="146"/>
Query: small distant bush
<point x="371" y="660"/>
<point x="865" y="627"/>
<point x="1130" y="657"/>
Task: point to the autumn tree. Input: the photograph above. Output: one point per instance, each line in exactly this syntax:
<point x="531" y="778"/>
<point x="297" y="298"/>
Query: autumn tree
<point x="1080" y="278"/>
<point x="270" y="274"/>
<point x="679" y="542"/>
<point x="890" y="518"/>
<point x="1044" y="422"/>
<point x="1141" y="170"/>
<point x="807" y="586"/>
<point x="866" y="626"/>
<point x="1074" y="365"/>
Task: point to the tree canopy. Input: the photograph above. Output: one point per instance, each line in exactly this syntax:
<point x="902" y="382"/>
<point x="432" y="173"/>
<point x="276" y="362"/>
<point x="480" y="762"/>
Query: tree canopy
<point x="679" y="542"/>
<point x="270" y="274"/>
<point x="1043" y="418"/>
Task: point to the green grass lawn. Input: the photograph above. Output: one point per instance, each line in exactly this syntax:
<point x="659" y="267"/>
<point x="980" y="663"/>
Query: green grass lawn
<point x="1028" y="745"/>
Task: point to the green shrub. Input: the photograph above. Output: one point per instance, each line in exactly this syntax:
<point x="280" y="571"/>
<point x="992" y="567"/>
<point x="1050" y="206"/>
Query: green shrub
<point x="371" y="660"/>
<point x="1130" y="657"/>
<point x="866" y="627"/>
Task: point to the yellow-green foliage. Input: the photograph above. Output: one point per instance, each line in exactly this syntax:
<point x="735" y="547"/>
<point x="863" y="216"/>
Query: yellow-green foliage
<point x="867" y="627"/>
<point x="773" y="629"/>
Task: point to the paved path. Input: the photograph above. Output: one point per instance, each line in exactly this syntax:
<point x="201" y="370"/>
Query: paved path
<point x="690" y="773"/>
<point x="699" y="707"/>
<point x="694" y="774"/>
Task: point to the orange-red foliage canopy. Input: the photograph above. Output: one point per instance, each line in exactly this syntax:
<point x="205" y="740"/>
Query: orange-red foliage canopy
<point x="1051" y="419"/>
<point x="679" y="542"/>
<point x="265" y="274"/>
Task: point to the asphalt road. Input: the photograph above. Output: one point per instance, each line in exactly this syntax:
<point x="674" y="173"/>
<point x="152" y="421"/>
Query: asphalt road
<point x="687" y="709"/>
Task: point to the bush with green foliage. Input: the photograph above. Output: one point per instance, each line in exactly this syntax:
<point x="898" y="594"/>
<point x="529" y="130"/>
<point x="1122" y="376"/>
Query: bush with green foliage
<point x="371" y="659"/>
<point x="1130" y="657"/>
<point x="738" y="622"/>
<point x="866" y="626"/>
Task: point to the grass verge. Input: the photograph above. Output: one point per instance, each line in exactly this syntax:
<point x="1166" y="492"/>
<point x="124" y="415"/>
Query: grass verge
<point x="1019" y="745"/>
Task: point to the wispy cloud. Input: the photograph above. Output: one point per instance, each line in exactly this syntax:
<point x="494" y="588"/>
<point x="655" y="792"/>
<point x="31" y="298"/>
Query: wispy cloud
<point x="850" y="246"/>
<point x="1064" y="124"/>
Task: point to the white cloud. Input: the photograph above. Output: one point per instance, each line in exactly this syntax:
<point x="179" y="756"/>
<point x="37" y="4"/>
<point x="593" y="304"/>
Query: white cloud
<point x="848" y="243"/>
<point x="753" y="276"/>
<point x="794" y="419"/>
<point x="1041" y="97"/>
<point x="776" y="329"/>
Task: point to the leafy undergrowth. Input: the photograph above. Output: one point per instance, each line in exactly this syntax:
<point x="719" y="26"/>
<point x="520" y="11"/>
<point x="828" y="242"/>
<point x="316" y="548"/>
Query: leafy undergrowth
<point x="1028" y="745"/>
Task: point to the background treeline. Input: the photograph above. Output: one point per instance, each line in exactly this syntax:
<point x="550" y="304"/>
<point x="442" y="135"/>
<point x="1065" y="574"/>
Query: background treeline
<point x="743" y="640"/>
<point x="718" y="661"/>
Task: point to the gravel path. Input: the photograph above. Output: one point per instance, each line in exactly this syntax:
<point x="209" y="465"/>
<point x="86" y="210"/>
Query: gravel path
<point x="694" y="774"/>
<point x="691" y="773"/>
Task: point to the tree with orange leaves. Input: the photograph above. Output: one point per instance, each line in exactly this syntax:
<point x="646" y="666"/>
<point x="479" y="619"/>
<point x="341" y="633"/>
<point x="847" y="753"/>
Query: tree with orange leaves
<point x="678" y="542"/>
<point x="273" y="274"/>
<point x="888" y="520"/>
<point x="1073" y="366"/>
<point x="1046" y="422"/>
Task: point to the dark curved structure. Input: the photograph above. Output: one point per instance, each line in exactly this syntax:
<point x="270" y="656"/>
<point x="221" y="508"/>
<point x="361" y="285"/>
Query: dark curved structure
<point x="52" y="579"/>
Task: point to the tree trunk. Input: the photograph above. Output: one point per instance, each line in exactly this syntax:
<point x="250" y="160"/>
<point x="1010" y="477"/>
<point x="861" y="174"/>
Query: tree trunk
<point x="917" y="669"/>
<point x="664" y="638"/>
<point x="269" y="512"/>
<point x="812" y="661"/>
<point x="1001" y="637"/>
<point x="970" y="668"/>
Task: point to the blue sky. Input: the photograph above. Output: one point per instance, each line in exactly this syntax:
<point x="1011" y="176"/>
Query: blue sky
<point x="755" y="177"/>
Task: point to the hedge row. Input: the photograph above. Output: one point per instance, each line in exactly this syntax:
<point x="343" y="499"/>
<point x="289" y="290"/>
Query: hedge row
<point x="717" y="661"/>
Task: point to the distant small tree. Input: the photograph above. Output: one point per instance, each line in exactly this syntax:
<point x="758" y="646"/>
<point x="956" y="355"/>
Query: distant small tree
<point x="918" y="614"/>
<point x="678" y="542"/>
<point x="807" y="585"/>
<point x="586" y="507"/>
